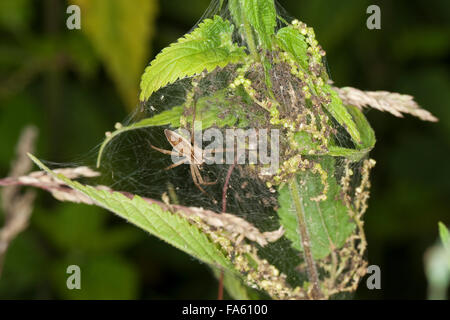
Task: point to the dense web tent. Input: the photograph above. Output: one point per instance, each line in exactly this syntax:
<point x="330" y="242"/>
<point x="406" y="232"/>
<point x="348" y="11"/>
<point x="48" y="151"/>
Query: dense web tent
<point x="249" y="66"/>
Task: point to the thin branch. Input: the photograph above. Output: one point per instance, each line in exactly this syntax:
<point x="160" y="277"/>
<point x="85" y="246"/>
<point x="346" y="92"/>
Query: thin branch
<point x="224" y="210"/>
<point x="226" y="185"/>
<point x="17" y="207"/>
<point x="226" y="221"/>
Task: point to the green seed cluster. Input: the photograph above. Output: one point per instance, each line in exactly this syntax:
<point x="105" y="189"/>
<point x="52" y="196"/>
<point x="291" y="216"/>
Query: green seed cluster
<point x="311" y="120"/>
<point x="314" y="50"/>
<point x="312" y="95"/>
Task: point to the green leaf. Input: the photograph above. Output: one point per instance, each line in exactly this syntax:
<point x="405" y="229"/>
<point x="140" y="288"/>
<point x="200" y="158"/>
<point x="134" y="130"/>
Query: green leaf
<point x="445" y="236"/>
<point x="367" y="134"/>
<point x="328" y="222"/>
<point x="361" y="151"/>
<point x="152" y="218"/>
<point x="337" y="109"/>
<point x="209" y="46"/>
<point x="120" y="31"/>
<point x="353" y="155"/>
<point x="260" y="14"/>
<point x="306" y="143"/>
<point x="293" y="42"/>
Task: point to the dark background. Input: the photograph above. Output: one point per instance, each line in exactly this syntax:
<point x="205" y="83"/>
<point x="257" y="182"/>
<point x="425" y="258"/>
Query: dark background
<point x="67" y="84"/>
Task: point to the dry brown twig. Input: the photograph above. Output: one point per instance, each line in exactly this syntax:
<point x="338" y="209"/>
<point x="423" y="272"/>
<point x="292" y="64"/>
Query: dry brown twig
<point x="394" y="103"/>
<point x="17" y="207"/>
<point x="234" y="225"/>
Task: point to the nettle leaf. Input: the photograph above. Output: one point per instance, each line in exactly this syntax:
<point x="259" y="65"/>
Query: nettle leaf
<point x="152" y="218"/>
<point x="294" y="43"/>
<point x="328" y="222"/>
<point x="208" y="111"/>
<point x="339" y="112"/>
<point x="361" y="150"/>
<point x="367" y="134"/>
<point x="260" y="14"/>
<point x="208" y="47"/>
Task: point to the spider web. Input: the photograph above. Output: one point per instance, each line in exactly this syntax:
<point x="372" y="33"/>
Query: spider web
<point x="129" y="163"/>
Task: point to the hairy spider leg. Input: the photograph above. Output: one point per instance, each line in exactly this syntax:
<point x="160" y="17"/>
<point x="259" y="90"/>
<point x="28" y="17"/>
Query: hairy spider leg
<point x="172" y="153"/>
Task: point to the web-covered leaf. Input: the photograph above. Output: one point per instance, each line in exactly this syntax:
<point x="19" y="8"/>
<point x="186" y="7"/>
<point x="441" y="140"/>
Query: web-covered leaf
<point x="293" y="42"/>
<point x="206" y="48"/>
<point x="328" y="221"/>
<point x="340" y="113"/>
<point x="367" y="134"/>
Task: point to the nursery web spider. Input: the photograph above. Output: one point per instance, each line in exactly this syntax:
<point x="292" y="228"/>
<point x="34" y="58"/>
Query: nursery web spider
<point x="190" y="153"/>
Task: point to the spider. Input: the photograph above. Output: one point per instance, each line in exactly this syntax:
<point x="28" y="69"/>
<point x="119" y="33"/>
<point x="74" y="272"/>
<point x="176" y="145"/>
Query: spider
<point x="190" y="153"/>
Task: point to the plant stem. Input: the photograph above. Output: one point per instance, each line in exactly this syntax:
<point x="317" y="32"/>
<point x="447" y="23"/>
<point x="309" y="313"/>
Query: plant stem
<point x="224" y="209"/>
<point x="250" y="38"/>
<point x="220" y="289"/>
<point x="306" y="242"/>
<point x="225" y="187"/>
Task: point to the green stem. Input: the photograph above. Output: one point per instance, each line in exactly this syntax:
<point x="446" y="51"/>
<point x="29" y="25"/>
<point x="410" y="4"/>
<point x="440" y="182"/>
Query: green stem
<point x="249" y="37"/>
<point x="306" y="242"/>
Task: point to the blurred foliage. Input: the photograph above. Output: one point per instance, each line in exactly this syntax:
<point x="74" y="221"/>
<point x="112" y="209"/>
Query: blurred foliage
<point x="437" y="266"/>
<point x="118" y="31"/>
<point x="74" y="85"/>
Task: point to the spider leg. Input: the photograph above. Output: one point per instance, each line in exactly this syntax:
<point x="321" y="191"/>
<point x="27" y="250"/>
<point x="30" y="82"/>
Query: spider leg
<point x="194" y="113"/>
<point x="176" y="164"/>
<point x="172" y="153"/>
<point x="195" y="178"/>
<point x="200" y="178"/>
